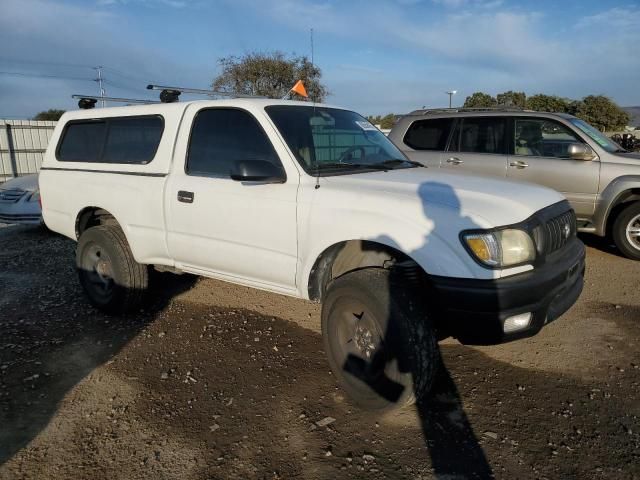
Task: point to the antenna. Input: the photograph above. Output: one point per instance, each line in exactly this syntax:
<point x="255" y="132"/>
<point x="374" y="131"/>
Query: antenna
<point x="99" y="80"/>
<point x="314" y="110"/>
<point x="89" y="101"/>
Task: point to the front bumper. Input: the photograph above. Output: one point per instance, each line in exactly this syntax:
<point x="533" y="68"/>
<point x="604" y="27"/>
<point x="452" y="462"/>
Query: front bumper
<point x="474" y="311"/>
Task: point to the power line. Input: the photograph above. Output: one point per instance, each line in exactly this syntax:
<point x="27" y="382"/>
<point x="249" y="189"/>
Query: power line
<point x="123" y="87"/>
<point x="37" y="62"/>
<point x="120" y="73"/>
<point x="39" y="75"/>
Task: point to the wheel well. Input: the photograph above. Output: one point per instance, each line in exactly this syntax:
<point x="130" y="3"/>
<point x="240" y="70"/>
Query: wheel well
<point x="92" y="217"/>
<point x="623" y="200"/>
<point x="352" y="255"/>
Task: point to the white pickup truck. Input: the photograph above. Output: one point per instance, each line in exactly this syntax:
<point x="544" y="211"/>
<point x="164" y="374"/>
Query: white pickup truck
<point x="312" y="201"/>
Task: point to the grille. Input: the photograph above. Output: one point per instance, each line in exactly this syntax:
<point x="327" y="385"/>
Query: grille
<point x="11" y="196"/>
<point x="556" y="232"/>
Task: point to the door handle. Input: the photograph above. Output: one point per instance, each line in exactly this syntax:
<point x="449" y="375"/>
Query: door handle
<point x="455" y="161"/>
<point x="519" y="164"/>
<point x="185" y="197"/>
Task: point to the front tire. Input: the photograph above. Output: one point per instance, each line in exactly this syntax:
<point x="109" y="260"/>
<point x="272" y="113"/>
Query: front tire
<point x="626" y="231"/>
<point x="379" y="340"/>
<point x="108" y="273"/>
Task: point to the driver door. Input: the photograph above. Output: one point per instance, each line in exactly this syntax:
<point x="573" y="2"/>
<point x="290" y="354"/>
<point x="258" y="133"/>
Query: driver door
<point x="540" y="155"/>
<point x="243" y="231"/>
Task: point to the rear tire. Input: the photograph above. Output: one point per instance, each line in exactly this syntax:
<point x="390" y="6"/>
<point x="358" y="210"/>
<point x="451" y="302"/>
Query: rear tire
<point x="108" y="273"/>
<point x="379" y="340"/>
<point x="626" y="231"/>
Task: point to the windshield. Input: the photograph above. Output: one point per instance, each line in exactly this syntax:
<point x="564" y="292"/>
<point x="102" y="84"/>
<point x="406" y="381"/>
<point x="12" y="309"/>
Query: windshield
<point x="597" y="136"/>
<point x="330" y="141"/>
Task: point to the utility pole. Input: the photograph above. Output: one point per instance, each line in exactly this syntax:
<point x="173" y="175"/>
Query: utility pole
<point x="451" y="93"/>
<point x="99" y="80"/>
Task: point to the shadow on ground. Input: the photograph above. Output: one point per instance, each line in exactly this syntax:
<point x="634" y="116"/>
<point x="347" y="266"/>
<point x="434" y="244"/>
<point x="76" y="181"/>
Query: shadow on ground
<point x="50" y="337"/>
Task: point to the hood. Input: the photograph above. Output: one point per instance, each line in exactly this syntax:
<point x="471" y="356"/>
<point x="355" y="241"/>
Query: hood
<point x="497" y="201"/>
<point x="631" y="158"/>
<point x="28" y="183"/>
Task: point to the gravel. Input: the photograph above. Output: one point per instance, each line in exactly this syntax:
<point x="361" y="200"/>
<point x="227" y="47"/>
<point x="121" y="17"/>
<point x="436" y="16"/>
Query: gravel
<point x="183" y="390"/>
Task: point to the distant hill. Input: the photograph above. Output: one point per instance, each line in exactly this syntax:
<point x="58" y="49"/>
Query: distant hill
<point x="634" y="112"/>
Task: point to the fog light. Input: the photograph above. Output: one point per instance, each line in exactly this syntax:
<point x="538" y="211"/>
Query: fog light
<point x="517" y="322"/>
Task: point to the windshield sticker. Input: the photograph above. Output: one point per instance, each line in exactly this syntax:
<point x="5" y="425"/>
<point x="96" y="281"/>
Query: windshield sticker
<point x="364" y="125"/>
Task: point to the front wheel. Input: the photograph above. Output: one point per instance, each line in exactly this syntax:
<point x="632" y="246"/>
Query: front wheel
<point x="379" y="340"/>
<point x="108" y="273"/>
<point x="626" y="231"/>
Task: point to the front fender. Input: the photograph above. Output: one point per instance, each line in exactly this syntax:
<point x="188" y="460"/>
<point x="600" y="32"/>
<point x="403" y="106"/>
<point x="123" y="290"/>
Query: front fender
<point x="610" y="196"/>
<point x="437" y="250"/>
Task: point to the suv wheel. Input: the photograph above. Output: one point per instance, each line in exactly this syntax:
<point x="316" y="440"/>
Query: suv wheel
<point x="626" y="231"/>
<point x="108" y="273"/>
<point x="379" y="340"/>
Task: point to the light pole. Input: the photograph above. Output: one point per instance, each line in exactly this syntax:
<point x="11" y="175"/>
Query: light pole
<point x="451" y="93"/>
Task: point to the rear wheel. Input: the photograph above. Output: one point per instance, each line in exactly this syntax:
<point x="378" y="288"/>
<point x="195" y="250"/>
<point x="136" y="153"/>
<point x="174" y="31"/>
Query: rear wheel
<point x="379" y="339"/>
<point x="108" y="273"/>
<point x="626" y="231"/>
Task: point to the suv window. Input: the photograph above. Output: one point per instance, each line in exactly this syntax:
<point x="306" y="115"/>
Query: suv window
<point x="221" y="137"/>
<point x="431" y="134"/>
<point x="541" y="137"/>
<point x="121" y="140"/>
<point x="479" y="135"/>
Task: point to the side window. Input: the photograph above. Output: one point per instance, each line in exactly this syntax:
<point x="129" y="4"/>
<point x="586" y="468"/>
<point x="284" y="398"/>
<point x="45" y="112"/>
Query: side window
<point x="431" y="134"/>
<point x="119" y="140"/>
<point x="541" y="137"/>
<point x="132" y="140"/>
<point x="82" y="142"/>
<point x="220" y="137"/>
<point x="480" y="135"/>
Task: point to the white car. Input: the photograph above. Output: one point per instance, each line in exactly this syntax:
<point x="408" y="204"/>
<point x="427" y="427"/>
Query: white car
<point x="20" y="201"/>
<point x="312" y="201"/>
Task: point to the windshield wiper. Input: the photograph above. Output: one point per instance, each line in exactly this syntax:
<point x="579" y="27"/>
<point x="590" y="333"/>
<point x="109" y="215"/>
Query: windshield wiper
<point x="396" y="161"/>
<point x="378" y="166"/>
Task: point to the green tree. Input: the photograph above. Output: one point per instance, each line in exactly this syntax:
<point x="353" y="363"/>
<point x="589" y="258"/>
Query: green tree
<point x="512" y="99"/>
<point x="269" y="74"/>
<point x="385" y="122"/>
<point x="480" y="100"/>
<point x="602" y="113"/>
<point x="548" y="103"/>
<point x="51" y="114"/>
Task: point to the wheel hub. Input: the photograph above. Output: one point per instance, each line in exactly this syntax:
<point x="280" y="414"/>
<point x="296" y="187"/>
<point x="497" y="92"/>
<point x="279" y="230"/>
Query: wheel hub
<point x="633" y="232"/>
<point x="363" y="339"/>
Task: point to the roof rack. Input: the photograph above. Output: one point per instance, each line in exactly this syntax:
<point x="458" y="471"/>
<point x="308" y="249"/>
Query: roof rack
<point x="89" y="101"/>
<point x="427" y="111"/>
<point x="172" y="94"/>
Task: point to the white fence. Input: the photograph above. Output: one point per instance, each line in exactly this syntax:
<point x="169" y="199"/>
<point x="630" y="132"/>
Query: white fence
<point x="22" y="146"/>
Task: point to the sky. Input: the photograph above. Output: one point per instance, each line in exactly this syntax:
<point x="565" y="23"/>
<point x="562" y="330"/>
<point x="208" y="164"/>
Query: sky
<point x="376" y="56"/>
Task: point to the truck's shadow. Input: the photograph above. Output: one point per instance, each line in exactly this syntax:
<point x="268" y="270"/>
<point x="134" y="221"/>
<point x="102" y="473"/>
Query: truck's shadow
<point x="50" y="338"/>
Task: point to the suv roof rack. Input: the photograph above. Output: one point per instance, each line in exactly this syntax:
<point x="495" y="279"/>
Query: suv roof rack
<point x="427" y="111"/>
<point x="86" y="102"/>
<point x="172" y="94"/>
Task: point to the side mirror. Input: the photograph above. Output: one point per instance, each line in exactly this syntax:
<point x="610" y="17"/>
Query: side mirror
<point x="581" y="151"/>
<point x="257" y="171"/>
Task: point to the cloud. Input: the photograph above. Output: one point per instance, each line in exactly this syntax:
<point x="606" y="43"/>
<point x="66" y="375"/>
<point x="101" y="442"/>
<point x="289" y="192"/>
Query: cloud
<point x="618" y="18"/>
<point x="66" y="40"/>
<point x="151" y="3"/>
<point x="486" y="4"/>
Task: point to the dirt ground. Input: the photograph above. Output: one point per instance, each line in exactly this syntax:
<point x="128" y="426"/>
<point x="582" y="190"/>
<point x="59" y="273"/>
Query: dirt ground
<point x="218" y="381"/>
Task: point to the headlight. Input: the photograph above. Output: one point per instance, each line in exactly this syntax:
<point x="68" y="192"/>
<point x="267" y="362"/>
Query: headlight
<point x="35" y="196"/>
<point x="502" y="248"/>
